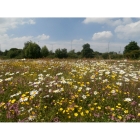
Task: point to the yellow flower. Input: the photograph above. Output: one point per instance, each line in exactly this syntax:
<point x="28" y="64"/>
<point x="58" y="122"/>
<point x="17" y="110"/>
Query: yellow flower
<point x="23" y="95"/>
<point x="75" y="106"/>
<point x="126" y="111"/>
<point x="75" y="114"/>
<point x="80" y="108"/>
<point x="120" y="117"/>
<point x="76" y="95"/>
<point x="99" y="107"/>
<point x="87" y="111"/>
<point x="61" y="109"/>
<point x="45" y="106"/>
<point x="69" y="117"/>
<point x="139" y="114"/>
<point x="113" y="114"/>
<point x="119" y="104"/>
<point x="33" y="113"/>
<point x="1" y="104"/>
<point x="95" y="103"/>
<point x="88" y="83"/>
<point x="13" y="101"/>
<point x="112" y="109"/>
<point x="92" y="108"/>
<point x="82" y="114"/>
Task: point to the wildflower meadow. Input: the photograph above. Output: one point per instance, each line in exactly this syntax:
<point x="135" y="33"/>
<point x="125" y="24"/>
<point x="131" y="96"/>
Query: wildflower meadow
<point x="65" y="90"/>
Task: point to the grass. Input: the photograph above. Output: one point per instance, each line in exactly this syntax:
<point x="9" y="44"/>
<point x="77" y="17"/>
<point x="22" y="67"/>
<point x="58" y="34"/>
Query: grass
<point x="69" y="91"/>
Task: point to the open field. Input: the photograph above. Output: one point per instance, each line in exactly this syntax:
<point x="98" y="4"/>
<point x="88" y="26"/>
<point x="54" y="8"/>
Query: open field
<point x="69" y="91"/>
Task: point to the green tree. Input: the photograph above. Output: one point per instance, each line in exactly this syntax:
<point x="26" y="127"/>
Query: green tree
<point x="15" y="53"/>
<point x="72" y="54"/>
<point x="31" y="50"/>
<point x="131" y="47"/>
<point x="61" y="53"/>
<point x="87" y="52"/>
<point x="44" y="51"/>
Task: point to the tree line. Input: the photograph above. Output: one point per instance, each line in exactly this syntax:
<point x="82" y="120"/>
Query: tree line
<point x="32" y="50"/>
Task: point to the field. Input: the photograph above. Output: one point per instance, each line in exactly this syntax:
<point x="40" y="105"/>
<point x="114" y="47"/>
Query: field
<point x="69" y="91"/>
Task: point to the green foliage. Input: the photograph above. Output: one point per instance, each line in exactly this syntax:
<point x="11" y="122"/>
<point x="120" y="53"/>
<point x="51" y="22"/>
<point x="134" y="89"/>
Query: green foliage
<point x="61" y="53"/>
<point x="133" y="54"/>
<point x="44" y="51"/>
<point x="72" y="54"/>
<point x="87" y="52"/>
<point x="15" y="53"/>
<point x="105" y="55"/>
<point x="131" y="47"/>
<point x="31" y="50"/>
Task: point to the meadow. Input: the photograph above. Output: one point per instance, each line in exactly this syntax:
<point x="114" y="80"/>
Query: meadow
<point x="77" y="90"/>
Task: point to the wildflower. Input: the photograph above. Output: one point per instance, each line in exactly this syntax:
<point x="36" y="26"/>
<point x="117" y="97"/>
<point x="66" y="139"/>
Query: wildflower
<point x="122" y="72"/>
<point x="128" y="99"/>
<point x="107" y="72"/>
<point x="31" y="118"/>
<point x="45" y="107"/>
<point x="75" y="114"/>
<point x="99" y="107"/>
<point x="46" y="96"/>
<point x="87" y="83"/>
<point x="61" y="109"/>
<point x="1" y="80"/>
<point x="87" y="111"/>
<point x="1" y="104"/>
<point x="88" y="88"/>
<point x="105" y="81"/>
<point x="84" y="97"/>
<point x="23" y="99"/>
<point x="112" y="109"/>
<point x="33" y="93"/>
<point x="119" y="83"/>
<point x="95" y="103"/>
<point x="9" y="79"/>
<point x="82" y="114"/>
<point x="59" y="74"/>
<point x="139" y="114"/>
<point x="13" y="101"/>
<point x="95" y="92"/>
<point x="120" y="117"/>
<point x="92" y="108"/>
<point x="56" y="91"/>
<point x="30" y="110"/>
<point x="113" y="91"/>
<point x="126" y="111"/>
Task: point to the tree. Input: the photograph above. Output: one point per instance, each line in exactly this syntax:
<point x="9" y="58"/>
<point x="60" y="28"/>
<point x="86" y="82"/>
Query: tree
<point x="72" y="54"/>
<point x="15" y="53"/>
<point x="61" y="53"/>
<point x="31" y="50"/>
<point x="131" y="47"/>
<point x="87" y="52"/>
<point x="44" y="51"/>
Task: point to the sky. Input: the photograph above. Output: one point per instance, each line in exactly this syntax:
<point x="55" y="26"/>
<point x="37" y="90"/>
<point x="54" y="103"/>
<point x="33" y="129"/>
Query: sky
<point x="103" y="34"/>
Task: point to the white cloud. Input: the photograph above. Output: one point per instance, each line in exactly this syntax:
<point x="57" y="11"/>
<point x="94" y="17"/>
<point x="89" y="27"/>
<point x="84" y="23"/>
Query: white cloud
<point x="43" y="37"/>
<point x="128" y="31"/>
<point x="31" y="21"/>
<point x="8" y="42"/>
<point x="9" y="23"/>
<point x="108" y="21"/>
<point x="105" y="35"/>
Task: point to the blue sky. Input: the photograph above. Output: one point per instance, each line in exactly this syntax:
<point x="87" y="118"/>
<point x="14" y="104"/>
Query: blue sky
<point x="100" y="33"/>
